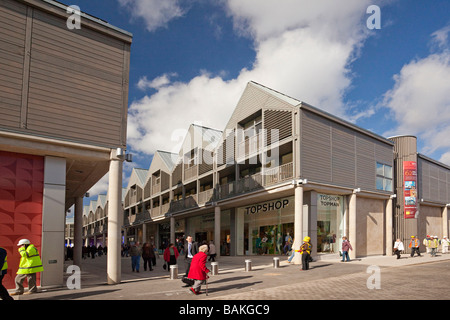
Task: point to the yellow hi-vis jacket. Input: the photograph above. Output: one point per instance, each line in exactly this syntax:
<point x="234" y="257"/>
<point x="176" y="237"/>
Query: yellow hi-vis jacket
<point x="5" y="264"/>
<point x="30" y="262"/>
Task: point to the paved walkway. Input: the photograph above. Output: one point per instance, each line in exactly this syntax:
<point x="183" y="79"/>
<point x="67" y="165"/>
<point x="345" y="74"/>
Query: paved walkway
<point x="328" y="279"/>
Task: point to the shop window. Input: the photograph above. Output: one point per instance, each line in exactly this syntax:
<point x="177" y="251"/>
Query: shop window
<point x="384" y="177"/>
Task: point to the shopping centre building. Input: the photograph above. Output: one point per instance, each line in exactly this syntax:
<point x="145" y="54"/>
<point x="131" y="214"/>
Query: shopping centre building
<point x="284" y="168"/>
<point x="63" y="115"/>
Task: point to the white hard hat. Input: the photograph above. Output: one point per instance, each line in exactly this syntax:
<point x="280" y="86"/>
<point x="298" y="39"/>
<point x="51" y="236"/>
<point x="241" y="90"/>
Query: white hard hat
<point x="23" y="241"/>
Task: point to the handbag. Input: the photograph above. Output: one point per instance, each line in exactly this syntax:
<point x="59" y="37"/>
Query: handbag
<point x="164" y="266"/>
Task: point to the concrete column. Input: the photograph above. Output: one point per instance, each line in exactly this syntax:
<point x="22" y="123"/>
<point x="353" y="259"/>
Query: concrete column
<point x="115" y="219"/>
<point x="445" y="222"/>
<point x="298" y="223"/>
<point x="389" y="227"/>
<point x="352" y="225"/>
<point x="78" y="232"/>
<point x="144" y="233"/>
<point x="217" y="230"/>
<point x="172" y="230"/>
<point x="53" y="221"/>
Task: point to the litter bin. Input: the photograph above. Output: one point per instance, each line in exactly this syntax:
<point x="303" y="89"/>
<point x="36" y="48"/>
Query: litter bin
<point x="214" y="268"/>
<point x="173" y="272"/>
<point x="248" y="265"/>
<point x="276" y="262"/>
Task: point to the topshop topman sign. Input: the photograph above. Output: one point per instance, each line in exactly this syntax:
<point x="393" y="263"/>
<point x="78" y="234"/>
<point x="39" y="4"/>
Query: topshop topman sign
<point x="268" y="206"/>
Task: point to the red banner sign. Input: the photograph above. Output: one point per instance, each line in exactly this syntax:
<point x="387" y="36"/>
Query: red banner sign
<point x="410" y="189"/>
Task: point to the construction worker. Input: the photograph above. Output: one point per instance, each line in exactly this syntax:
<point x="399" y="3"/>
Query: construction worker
<point x="4" y="295"/>
<point x="30" y="264"/>
<point x="305" y="251"/>
<point x="433" y="245"/>
<point x="414" y="245"/>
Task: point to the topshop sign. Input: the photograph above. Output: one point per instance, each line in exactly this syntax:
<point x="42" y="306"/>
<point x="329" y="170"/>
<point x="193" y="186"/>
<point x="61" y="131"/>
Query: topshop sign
<point x="268" y="206"/>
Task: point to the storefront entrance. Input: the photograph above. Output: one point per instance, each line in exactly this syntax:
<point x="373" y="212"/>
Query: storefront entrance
<point x="330" y="223"/>
<point x="264" y="227"/>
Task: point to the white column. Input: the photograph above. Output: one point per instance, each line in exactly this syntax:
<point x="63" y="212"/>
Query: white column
<point x="389" y="226"/>
<point x="115" y="219"/>
<point x="352" y="225"/>
<point x="78" y="232"/>
<point x="298" y="223"/>
<point x="217" y="230"/>
<point x="445" y="222"/>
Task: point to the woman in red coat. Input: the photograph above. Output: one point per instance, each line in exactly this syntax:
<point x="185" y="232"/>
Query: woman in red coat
<point x="171" y="255"/>
<point x="198" y="270"/>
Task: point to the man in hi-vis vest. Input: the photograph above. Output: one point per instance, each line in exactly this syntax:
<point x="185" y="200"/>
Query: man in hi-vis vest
<point x="30" y="264"/>
<point x="4" y="295"/>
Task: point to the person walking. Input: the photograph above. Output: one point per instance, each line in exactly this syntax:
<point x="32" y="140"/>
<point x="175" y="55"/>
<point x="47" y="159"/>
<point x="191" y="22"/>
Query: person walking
<point x="135" y="253"/>
<point x="198" y="270"/>
<point x="148" y="256"/>
<point x="346" y="246"/>
<point x="171" y="255"/>
<point x="432" y="244"/>
<point x="398" y="248"/>
<point x="445" y="243"/>
<point x="191" y="250"/>
<point x="414" y="245"/>
<point x="4" y="295"/>
<point x="292" y="252"/>
<point x="212" y="251"/>
<point x="30" y="264"/>
<point x="305" y="251"/>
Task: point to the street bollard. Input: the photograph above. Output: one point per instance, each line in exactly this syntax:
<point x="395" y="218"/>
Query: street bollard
<point x="214" y="268"/>
<point x="173" y="272"/>
<point x="276" y="262"/>
<point x="248" y="265"/>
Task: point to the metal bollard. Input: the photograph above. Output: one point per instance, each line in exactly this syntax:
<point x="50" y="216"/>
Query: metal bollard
<point x="276" y="262"/>
<point x="173" y="272"/>
<point x="248" y="265"/>
<point x="214" y="268"/>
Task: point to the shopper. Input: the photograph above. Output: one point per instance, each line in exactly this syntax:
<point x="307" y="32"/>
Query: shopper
<point x="346" y="247"/>
<point x="414" y="245"/>
<point x="191" y="250"/>
<point x="148" y="256"/>
<point x="212" y="251"/>
<point x="198" y="270"/>
<point x="398" y="248"/>
<point x="171" y="255"/>
<point x="135" y="253"/>
<point x="4" y="295"/>
<point x="292" y="252"/>
<point x="30" y="264"/>
<point x="305" y="251"/>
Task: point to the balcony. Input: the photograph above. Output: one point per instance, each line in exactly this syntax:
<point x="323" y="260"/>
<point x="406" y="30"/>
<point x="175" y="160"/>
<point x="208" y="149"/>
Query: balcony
<point x="257" y="181"/>
<point x="250" y="146"/>
<point x="205" y="196"/>
<point x="190" y="173"/>
<point x="279" y="174"/>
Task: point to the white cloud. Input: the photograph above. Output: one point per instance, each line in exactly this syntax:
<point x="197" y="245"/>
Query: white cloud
<point x="156" y="13"/>
<point x="303" y="49"/>
<point x="420" y="101"/>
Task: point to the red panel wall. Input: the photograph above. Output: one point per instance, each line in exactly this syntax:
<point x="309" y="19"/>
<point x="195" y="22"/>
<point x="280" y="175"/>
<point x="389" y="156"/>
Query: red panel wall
<point x="21" y="194"/>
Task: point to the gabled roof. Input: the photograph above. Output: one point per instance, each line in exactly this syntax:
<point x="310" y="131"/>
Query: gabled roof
<point x="138" y="177"/>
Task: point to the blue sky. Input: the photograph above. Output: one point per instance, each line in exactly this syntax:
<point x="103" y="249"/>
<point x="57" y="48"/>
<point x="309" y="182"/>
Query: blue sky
<point x="197" y="55"/>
